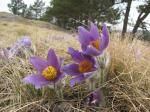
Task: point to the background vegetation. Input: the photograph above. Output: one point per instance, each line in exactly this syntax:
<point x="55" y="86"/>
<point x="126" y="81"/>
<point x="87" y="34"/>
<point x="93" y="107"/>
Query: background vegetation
<point x="71" y="13"/>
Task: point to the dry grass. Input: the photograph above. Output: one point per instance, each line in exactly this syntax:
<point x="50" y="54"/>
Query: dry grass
<point x="130" y="71"/>
<point x="127" y="86"/>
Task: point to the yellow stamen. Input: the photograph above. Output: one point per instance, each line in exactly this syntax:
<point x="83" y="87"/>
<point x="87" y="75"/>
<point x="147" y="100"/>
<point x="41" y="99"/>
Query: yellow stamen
<point x="50" y="73"/>
<point x="85" y="66"/>
<point x="95" y="44"/>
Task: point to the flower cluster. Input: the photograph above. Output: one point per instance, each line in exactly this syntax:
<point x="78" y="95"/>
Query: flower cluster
<point x="20" y="49"/>
<point x="93" y="43"/>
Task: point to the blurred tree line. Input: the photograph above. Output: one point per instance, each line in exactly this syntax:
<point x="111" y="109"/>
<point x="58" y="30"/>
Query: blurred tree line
<point x="71" y="13"/>
<point x="35" y="11"/>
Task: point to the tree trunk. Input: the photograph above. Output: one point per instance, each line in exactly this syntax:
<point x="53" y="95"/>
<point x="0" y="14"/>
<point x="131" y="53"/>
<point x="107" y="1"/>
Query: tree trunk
<point x="124" y="30"/>
<point x="139" y="21"/>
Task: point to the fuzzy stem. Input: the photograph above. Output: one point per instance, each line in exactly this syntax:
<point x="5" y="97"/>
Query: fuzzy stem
<point x="92" y="84"/>
<point x="58" y="90"/>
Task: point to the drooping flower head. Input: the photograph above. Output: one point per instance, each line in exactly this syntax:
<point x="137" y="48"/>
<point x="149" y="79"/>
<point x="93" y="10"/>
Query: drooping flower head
<point x="92" y="42"/>
<point x="48" y="71"/>
<point x="95" y="98"/>
<point x="25" y="41"/>
<point x="83" y="66"/>
<point x="20" y="48"/>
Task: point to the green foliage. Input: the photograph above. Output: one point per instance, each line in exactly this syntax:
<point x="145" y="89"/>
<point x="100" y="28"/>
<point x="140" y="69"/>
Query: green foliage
<point x="36" y="10"/>
<point x="145" y="32"/>
<point x="17" y="7"/>
<point x="145" y="8"/>
<point x="146" y="35"/>
<point x="66" y="13"/>
<point x="28" y="13"/>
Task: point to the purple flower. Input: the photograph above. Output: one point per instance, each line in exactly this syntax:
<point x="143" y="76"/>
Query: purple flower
<point x="93" y="43"/>
<point x="25" y="41"/>
<point x="48" y="72"/>
<point x="95" y="98"/>
<point x="83" y="67"/>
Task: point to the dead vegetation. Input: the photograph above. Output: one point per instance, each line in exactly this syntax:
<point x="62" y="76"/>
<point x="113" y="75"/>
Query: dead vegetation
<point x="128" y="83"/>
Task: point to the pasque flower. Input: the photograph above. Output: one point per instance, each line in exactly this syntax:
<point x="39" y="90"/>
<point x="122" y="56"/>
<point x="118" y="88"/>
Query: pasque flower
<point x="20" y="47"/>
<point x="83" y="66"/>
<point x="25" y="41"/>
<point x="95" y="98"/>
<point x="48" y="71"/>
<point x="92" y="42"/>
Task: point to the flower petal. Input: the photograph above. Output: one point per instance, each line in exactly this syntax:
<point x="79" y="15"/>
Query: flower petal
<point x="83" y="47"/>
<point x="52" y="59"/>
<point x="90" y="74"/>
<point x="92" y="51"/>
<point x="37" y="80"/>
<point x="75" y="80"/>
<point x="25" y="41"/>
<point x="94" y="31"/>
<point x="71" y="69"/>
<point x="76" y="55"/>
<point x="104" y="38"/>
<point x="59" y="77"/>
<point x="84" y="36"/>
<point x="38" y="63"/>
<point x="90" y="58"/>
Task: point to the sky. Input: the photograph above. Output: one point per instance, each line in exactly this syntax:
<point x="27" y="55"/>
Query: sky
<point x="4" y="8"/>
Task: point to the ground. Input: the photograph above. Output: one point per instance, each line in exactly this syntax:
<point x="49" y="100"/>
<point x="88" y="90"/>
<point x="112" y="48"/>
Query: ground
<point x="128" y="74"/>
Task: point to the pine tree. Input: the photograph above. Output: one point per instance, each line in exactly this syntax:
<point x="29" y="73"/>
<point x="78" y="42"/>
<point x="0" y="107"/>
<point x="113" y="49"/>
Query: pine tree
<point x="17" y="7"/>
<point x="37" y="9"/>
<point x="28" y="13"/>
<point x="69" y="11"/>
<point x="144" y="12"/>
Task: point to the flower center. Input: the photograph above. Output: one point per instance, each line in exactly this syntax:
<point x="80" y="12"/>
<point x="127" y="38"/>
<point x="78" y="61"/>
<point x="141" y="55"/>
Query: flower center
<point x="95" y="43"/>
<point x="85" y="66"/>
<point x="50" y="73"/>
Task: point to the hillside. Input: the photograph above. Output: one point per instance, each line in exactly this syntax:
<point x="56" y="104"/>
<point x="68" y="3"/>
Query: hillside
<point x="128" y="72"/>
<point x="14" y="27"/>
<point x="4" y="16"/>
